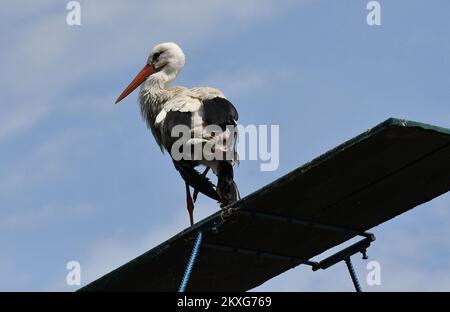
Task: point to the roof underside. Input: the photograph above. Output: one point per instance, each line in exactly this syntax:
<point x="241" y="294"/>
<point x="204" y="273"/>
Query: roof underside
<point x="364" y="182"/>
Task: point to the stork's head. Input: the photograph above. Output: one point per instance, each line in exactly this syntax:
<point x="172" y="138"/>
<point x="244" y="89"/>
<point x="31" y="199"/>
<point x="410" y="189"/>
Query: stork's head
<point x="166" y="59"/>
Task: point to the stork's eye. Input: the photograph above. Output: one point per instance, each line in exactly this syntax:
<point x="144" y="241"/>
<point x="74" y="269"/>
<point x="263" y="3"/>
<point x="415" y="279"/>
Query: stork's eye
<point x="156" y="55"/>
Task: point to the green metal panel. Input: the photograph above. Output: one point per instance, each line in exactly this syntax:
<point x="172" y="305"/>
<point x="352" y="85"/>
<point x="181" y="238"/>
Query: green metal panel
<point x="363" y="182"/>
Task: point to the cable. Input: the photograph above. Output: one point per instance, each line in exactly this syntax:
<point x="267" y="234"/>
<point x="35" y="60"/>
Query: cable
<point x="353" y="274"/>
<point x="191" y="262"/>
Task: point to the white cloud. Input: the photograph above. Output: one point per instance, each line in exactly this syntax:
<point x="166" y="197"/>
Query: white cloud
<point x="45" y="162"/>
<point x="246" y="81"/>
<point x="239" y="82"/>
<point x="20" y="118"/>
<point x="45" y="58"/>
<point x="17" y="278"/>
<point x="25" y="220"/>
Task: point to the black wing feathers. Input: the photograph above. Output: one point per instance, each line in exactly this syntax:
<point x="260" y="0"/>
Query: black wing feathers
<point x="174" y="118"/>
<point x="216" y="111"/>
<point x="219" y="111"/>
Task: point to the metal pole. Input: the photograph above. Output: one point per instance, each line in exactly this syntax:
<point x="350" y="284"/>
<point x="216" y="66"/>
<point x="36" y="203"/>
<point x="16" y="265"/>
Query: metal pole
<point x="355" y="281"/>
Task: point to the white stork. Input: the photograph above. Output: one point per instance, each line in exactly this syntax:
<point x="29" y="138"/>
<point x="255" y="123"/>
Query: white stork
<point x="164" y="106"/>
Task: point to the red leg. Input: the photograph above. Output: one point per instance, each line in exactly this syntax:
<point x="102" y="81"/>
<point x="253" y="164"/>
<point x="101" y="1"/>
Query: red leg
<point x="190" y="204"/>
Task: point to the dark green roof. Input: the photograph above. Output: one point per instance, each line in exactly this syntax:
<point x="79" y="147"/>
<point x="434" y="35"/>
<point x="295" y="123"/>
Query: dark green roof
<point x="363" y="182"/>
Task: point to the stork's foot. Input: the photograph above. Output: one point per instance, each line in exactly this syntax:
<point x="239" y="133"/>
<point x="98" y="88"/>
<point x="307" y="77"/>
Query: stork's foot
<point x="226" y="213"/>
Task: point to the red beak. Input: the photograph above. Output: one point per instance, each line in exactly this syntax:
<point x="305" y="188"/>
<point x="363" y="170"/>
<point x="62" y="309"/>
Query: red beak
<point x="137" y="81"/>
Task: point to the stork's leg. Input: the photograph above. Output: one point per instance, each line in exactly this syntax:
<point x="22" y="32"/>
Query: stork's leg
<point x="190" y="204"/>
<point x="196" y="191"/>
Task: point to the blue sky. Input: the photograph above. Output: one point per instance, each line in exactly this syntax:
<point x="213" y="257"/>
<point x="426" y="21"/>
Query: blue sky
<point x="82" y="179"/>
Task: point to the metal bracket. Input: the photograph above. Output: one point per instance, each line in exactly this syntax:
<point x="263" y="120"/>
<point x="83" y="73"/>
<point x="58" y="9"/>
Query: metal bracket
<point x="343" y="255"/>
<point x="346" y="253"/>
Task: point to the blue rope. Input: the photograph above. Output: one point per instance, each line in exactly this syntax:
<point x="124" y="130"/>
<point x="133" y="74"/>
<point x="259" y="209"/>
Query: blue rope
<point x="191" y="262"/>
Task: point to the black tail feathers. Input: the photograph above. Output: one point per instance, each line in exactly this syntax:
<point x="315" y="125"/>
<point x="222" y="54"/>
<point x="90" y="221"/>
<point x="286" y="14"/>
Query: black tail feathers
<point x="195" y="179"/>
<point x="226" y="187"/>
